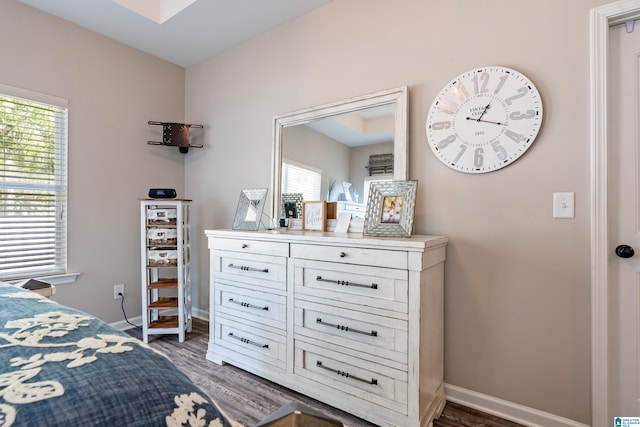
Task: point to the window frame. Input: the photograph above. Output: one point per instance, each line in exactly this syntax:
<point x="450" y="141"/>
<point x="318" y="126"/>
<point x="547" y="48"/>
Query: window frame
<point x="56" y="273"/>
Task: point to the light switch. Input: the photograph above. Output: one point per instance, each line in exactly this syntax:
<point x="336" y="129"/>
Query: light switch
<point x="564" y="205"/>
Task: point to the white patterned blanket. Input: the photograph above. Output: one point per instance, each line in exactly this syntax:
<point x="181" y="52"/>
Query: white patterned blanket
<point x="62" y="367"/>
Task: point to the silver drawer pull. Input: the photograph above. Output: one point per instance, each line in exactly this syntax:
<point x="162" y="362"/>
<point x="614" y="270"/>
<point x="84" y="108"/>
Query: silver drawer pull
<point x="248" y="341"/>
<point x="346" y="328"/>
<point x="246" y="304"/>
<point x="373" y="381"/>
<point x="347" y="283"/>
<point x="245" y="268"/>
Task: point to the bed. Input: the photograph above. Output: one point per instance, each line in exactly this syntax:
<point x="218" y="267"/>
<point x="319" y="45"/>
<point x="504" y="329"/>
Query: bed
<point x="62" y="367"/>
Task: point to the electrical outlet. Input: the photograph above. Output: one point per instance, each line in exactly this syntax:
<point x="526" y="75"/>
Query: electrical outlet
<point x="117" y="290"/>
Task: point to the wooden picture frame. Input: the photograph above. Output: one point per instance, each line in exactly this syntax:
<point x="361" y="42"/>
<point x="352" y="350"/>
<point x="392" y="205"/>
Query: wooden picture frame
<point x="390" y="209"/>
<point x="314" y="215"/>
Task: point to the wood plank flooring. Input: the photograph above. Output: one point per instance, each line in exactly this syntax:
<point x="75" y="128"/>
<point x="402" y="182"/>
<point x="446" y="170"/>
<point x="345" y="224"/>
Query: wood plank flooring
<point x="248" y="398"/>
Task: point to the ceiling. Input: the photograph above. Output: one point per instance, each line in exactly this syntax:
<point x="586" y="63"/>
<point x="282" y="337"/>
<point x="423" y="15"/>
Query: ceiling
<point x="364" y="127"/>
<point x="186" y="32"/>
<point x="202" y="29"/>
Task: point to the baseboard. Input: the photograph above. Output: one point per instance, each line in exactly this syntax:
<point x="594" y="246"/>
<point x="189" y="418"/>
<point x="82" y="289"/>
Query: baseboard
<point x="200" y="314"/>
<point x="507" y="410"/>
<point x="123" y="325"/>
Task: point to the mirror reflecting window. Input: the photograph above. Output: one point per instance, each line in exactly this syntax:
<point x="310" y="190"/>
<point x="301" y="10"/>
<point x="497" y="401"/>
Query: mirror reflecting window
<point x="345" y="144"/>
<point x="301" y="178"/>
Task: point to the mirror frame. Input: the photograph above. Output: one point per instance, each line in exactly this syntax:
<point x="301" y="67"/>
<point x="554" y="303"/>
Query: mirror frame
<point x="398" y="96"/>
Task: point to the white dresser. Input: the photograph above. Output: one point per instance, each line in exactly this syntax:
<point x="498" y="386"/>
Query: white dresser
<point x="357" y="210"/>
<point x="354" y="321"/>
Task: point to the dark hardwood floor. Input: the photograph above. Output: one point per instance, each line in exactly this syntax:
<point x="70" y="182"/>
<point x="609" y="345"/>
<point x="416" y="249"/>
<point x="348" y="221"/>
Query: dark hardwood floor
<point x="248" y="398"/>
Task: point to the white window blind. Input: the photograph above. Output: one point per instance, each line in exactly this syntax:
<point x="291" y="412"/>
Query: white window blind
<point x="33" y="184"/>
<point x="299" y="178"/>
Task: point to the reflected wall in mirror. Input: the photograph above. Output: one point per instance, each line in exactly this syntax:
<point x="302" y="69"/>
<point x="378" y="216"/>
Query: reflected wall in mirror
<point x="333" y="151"/>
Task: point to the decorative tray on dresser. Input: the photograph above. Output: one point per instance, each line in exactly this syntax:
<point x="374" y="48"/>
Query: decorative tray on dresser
<point x="354" y="321"/>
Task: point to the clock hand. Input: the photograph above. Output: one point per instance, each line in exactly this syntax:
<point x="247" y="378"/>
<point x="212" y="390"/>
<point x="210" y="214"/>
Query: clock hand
<point x="483" y="111"/>
<point x="486" y="121"/>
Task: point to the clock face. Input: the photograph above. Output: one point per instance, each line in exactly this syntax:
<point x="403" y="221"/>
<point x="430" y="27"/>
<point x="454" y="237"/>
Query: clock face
<point x="484" y="119"/>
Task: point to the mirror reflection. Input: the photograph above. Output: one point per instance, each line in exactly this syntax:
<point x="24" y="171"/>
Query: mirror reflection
<point x="333" y="152"/>
<point x="331" y="159"/>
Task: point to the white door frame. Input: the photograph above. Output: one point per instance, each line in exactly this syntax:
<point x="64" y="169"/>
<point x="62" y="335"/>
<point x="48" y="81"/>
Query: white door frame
<point x="601" y="19"/>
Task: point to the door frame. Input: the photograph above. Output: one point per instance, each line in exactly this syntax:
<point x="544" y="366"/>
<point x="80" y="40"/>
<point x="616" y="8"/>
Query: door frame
<point x="601" y="19"/>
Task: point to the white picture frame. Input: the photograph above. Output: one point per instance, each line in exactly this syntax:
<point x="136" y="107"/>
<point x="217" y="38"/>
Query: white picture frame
<point x="390" y="209"/>
<point x="249" y="210"/>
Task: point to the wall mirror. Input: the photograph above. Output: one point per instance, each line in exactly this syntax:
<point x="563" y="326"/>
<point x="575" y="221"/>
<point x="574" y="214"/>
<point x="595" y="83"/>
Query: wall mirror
<point x="334" y="151"/>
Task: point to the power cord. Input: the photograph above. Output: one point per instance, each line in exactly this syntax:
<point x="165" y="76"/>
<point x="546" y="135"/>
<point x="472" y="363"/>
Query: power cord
<point x="270" y="222"/>
<point x="125" y="314"/>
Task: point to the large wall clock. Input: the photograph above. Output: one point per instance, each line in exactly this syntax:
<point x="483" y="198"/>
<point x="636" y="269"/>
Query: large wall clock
<point x="484" y="119"/>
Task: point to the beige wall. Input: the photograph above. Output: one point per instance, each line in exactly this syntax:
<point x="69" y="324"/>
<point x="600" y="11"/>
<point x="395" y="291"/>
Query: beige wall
<point x="517" y="321"/>
<point x="113" y="90"/>
<point x="517" y="281"/>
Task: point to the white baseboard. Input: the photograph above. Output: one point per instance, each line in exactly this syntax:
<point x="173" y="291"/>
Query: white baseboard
<point x="123" y="325"/>
<point x="507" y="410"/>
<point x="200" y="314"/>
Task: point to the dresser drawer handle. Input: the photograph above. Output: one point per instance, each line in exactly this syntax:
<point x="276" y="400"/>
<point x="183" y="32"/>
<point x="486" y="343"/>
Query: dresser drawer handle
<point x="248" y="341"/>
<point x="246" y="304"/>
<point x="373" y="381"/>
<point x="346" y="328"/>
<point x="245" y="268"/>
<point x="347" y="283"/>
<point x="342" y="254"/>
<point x="245" y="246"/>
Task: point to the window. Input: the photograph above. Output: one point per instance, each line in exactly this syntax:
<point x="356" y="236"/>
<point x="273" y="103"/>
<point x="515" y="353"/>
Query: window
<point x="299" y="178"/>
<point x="33" y="184"/>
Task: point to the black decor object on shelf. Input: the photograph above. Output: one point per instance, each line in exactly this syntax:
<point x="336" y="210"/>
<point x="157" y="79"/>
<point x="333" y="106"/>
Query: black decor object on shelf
<point x="162" y="193"/>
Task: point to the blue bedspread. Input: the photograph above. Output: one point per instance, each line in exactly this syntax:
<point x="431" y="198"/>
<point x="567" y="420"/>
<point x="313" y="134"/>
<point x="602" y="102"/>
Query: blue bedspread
<point x="62" y="367"/>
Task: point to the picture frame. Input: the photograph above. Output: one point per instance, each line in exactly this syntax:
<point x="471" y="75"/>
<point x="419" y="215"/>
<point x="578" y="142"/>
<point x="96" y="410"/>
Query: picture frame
<point x="390" y="209"/>
<point x="314" y="215"/>
<point x="288" y="200"/>
<point x="346" y="188"/>
<point x="249" y="211"/>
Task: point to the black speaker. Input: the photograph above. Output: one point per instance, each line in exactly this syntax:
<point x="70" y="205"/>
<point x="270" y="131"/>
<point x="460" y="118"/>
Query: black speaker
<point x="162" y="193"/>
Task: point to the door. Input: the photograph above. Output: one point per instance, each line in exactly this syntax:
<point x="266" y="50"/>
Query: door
<point x="624" y="225"/>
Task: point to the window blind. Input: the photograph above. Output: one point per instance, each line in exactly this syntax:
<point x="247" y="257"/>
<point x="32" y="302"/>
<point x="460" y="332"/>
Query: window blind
<point x="33" y="184"/>
<point x="299" y="178"/>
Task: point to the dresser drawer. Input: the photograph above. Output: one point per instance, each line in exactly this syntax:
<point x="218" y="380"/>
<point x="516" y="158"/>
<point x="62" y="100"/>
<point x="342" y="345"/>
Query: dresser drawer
<point x="260" y="271"/>
<point x="362" y="332"/>
<point x="257" y="306"/>
<point x="383" y="288"/>
<point x="250" y="341"/>
<point x="352" y="376"/>
<point x="250" y="246"/>
<point x="353" y="321"/>
<point x="351" y="255"/>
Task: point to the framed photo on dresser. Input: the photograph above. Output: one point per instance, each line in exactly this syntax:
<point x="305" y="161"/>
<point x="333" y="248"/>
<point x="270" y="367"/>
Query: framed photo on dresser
<point x="390" y="209"/>
<point x="314" y="215"/>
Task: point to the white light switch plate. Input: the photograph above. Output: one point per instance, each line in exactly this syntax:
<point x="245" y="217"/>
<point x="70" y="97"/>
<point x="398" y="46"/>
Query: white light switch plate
<point x="564" y="205"/>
